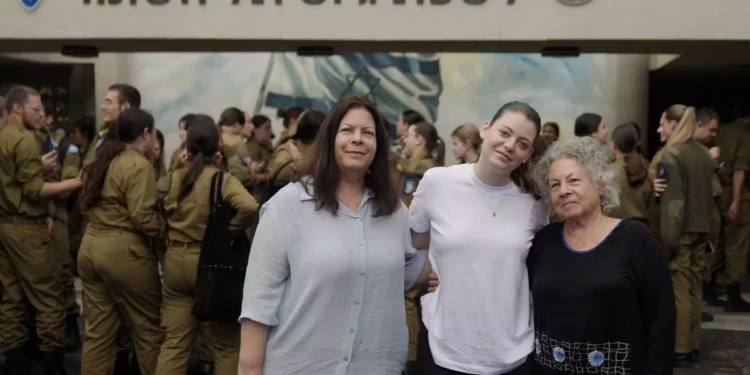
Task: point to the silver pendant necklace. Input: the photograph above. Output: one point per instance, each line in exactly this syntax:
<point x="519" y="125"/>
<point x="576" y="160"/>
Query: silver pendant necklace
<point x="494" y="211"/>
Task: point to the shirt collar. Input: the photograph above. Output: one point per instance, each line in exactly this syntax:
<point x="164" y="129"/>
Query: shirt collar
<point x="304" y="195"/>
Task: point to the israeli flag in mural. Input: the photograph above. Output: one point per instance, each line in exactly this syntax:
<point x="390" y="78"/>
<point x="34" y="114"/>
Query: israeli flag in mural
<point x="394" y="81"/>
<point x="30" y="5"/>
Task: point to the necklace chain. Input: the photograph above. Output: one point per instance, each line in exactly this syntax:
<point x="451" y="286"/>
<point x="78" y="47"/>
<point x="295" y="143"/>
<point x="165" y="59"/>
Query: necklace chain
<point x="494" y="211"/>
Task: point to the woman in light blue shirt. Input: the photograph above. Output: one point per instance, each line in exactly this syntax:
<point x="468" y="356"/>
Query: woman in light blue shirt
<point x="331" y="260"/>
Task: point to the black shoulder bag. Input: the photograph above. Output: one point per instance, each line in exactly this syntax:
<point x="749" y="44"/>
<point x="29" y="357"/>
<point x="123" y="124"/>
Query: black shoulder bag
<point x="272" y="187"/>
<point x="222" y="263"/>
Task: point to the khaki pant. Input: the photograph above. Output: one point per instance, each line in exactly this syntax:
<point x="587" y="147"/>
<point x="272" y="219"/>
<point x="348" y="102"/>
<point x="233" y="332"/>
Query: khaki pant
<point x="29" y="273"/>
<point x="687" y="267"/>
<point x="411" y="300"/>
<point x="120" y="278"/>
<point x="716" y="260"/>
<point x="736" y="244"/>
<point x="62" y="247"/>
<point x="181" y="327"/>
<point x="206" y="351"/>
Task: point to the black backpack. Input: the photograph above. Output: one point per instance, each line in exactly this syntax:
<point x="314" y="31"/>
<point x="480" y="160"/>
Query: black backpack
<point x="222" y="263"/>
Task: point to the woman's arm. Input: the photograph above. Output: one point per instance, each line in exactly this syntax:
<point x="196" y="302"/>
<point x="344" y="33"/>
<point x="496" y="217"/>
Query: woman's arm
<point x="252" y="348"/>
<point x="420" y="241"/>
<point x="265" y="281"/>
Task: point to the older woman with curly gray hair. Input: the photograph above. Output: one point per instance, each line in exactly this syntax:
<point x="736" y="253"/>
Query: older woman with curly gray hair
<point x="603" y="299"/>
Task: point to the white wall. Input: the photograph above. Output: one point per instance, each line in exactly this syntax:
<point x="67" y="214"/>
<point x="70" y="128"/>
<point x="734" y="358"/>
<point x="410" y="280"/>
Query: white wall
<point x="541" y="20"/>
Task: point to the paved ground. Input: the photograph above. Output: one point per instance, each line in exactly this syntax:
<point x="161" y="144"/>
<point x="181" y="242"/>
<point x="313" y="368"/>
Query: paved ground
<point x="725" y="349"/>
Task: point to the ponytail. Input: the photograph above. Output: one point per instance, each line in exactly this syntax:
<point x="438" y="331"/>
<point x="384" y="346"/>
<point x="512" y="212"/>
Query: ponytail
<point x="202" y="143"/>
<point x="685" y="116"/>
<point x="635" y="169"/>
<point x="438" y="152"/>
<point x="97" y="172"/>
<point x="195" y="170"/>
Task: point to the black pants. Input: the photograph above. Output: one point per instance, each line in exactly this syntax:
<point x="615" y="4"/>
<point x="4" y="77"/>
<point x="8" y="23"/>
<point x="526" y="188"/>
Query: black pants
<point x="426" y="364"/>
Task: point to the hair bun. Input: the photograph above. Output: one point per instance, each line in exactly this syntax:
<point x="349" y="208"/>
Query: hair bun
<point x="281" y="113"/>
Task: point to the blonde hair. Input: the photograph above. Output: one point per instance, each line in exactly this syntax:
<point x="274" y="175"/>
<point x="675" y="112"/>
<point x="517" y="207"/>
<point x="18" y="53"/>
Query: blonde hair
<point x="685" y="117"/>
<point x="469" y="133"/>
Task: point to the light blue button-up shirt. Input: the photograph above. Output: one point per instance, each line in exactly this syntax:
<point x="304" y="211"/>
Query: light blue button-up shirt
<point x="331" y="288"/>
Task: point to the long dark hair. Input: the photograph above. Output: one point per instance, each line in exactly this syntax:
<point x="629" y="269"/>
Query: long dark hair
<point x="308" y="126"/>
<point x="433" y="144"/>
<point x="521" y="176"/>
<point x="201" y="143"/>
<point x="130" y="124"/>
<point x="324" y="170"/>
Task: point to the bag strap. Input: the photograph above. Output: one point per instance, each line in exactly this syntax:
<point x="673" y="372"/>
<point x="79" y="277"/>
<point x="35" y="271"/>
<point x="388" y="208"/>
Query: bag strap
<point x="273" y="178"/>
<point x="215" y="194"/>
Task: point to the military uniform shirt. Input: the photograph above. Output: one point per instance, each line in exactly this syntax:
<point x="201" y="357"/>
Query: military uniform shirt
<point x="128" y="196"/>
<point x="21" y="173"/>
<point x="734" y="142"/>
<point x="187" y="219"/>
<point x="687" y="202"/>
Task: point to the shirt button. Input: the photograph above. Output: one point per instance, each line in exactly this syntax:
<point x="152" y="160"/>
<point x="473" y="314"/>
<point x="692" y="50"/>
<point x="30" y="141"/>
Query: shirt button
<point x="351" y="330"/>
<point x="357" y="302"/>
<point x="358" y="219"/>
<point x="362" y="272"/>
<point x="346" y="359"/>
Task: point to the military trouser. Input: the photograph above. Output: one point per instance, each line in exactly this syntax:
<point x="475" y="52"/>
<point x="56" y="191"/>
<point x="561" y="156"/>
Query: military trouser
<point x="181" y="327"/>
<point x="687" y="267"/>
<point x="737" y="244"/>
<point x="62" y="246"/>
<point x="714" y="261"/>
<point x="411" y="301"/>
<point x="120" y="278"/>
<point x="29" y="273"/>
<point x="206" y="352"/>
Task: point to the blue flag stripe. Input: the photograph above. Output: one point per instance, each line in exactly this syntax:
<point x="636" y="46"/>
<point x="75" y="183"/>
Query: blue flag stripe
<point x="275" y="100"/>
<point x="408" y="65"/>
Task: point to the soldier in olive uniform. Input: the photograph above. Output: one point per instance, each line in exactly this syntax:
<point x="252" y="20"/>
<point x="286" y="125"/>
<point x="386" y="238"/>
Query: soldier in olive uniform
<point x="632" y="172"/>
<point x="289" y="118"/>
<point x="183" y="125"/>
<point x="186" y="206"/>
<point x="706" y="127"/>
<point x="287" y="159"/>
<point x="3" y="113"/>
<point x="231" y="123"/>
<point x="422" y="152"/>
<point x="118" y="268"/>
<point x="119" y="98"/>
<point x="27" y="273"/>
<point x="734" y="145"/>
<point x="69" y="159"/>
<point x="261" y="150"/>
<point x="686" y="206"/>
<point x="82" y="134"/>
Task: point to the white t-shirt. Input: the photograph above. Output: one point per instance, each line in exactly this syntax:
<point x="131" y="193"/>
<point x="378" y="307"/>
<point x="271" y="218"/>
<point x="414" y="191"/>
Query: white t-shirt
<point x="479" y="319"/>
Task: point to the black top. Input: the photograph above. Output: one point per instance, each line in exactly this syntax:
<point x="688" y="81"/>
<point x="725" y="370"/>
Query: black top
<point x="607" y="310"/>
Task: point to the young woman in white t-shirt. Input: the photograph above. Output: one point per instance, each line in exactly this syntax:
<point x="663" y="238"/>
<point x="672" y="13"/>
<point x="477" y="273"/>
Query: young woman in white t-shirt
<point x="478" y="221"/>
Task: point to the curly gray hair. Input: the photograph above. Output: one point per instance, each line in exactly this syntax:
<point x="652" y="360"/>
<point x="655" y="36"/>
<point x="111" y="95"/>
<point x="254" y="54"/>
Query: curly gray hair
<point x="587" y="152"/>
